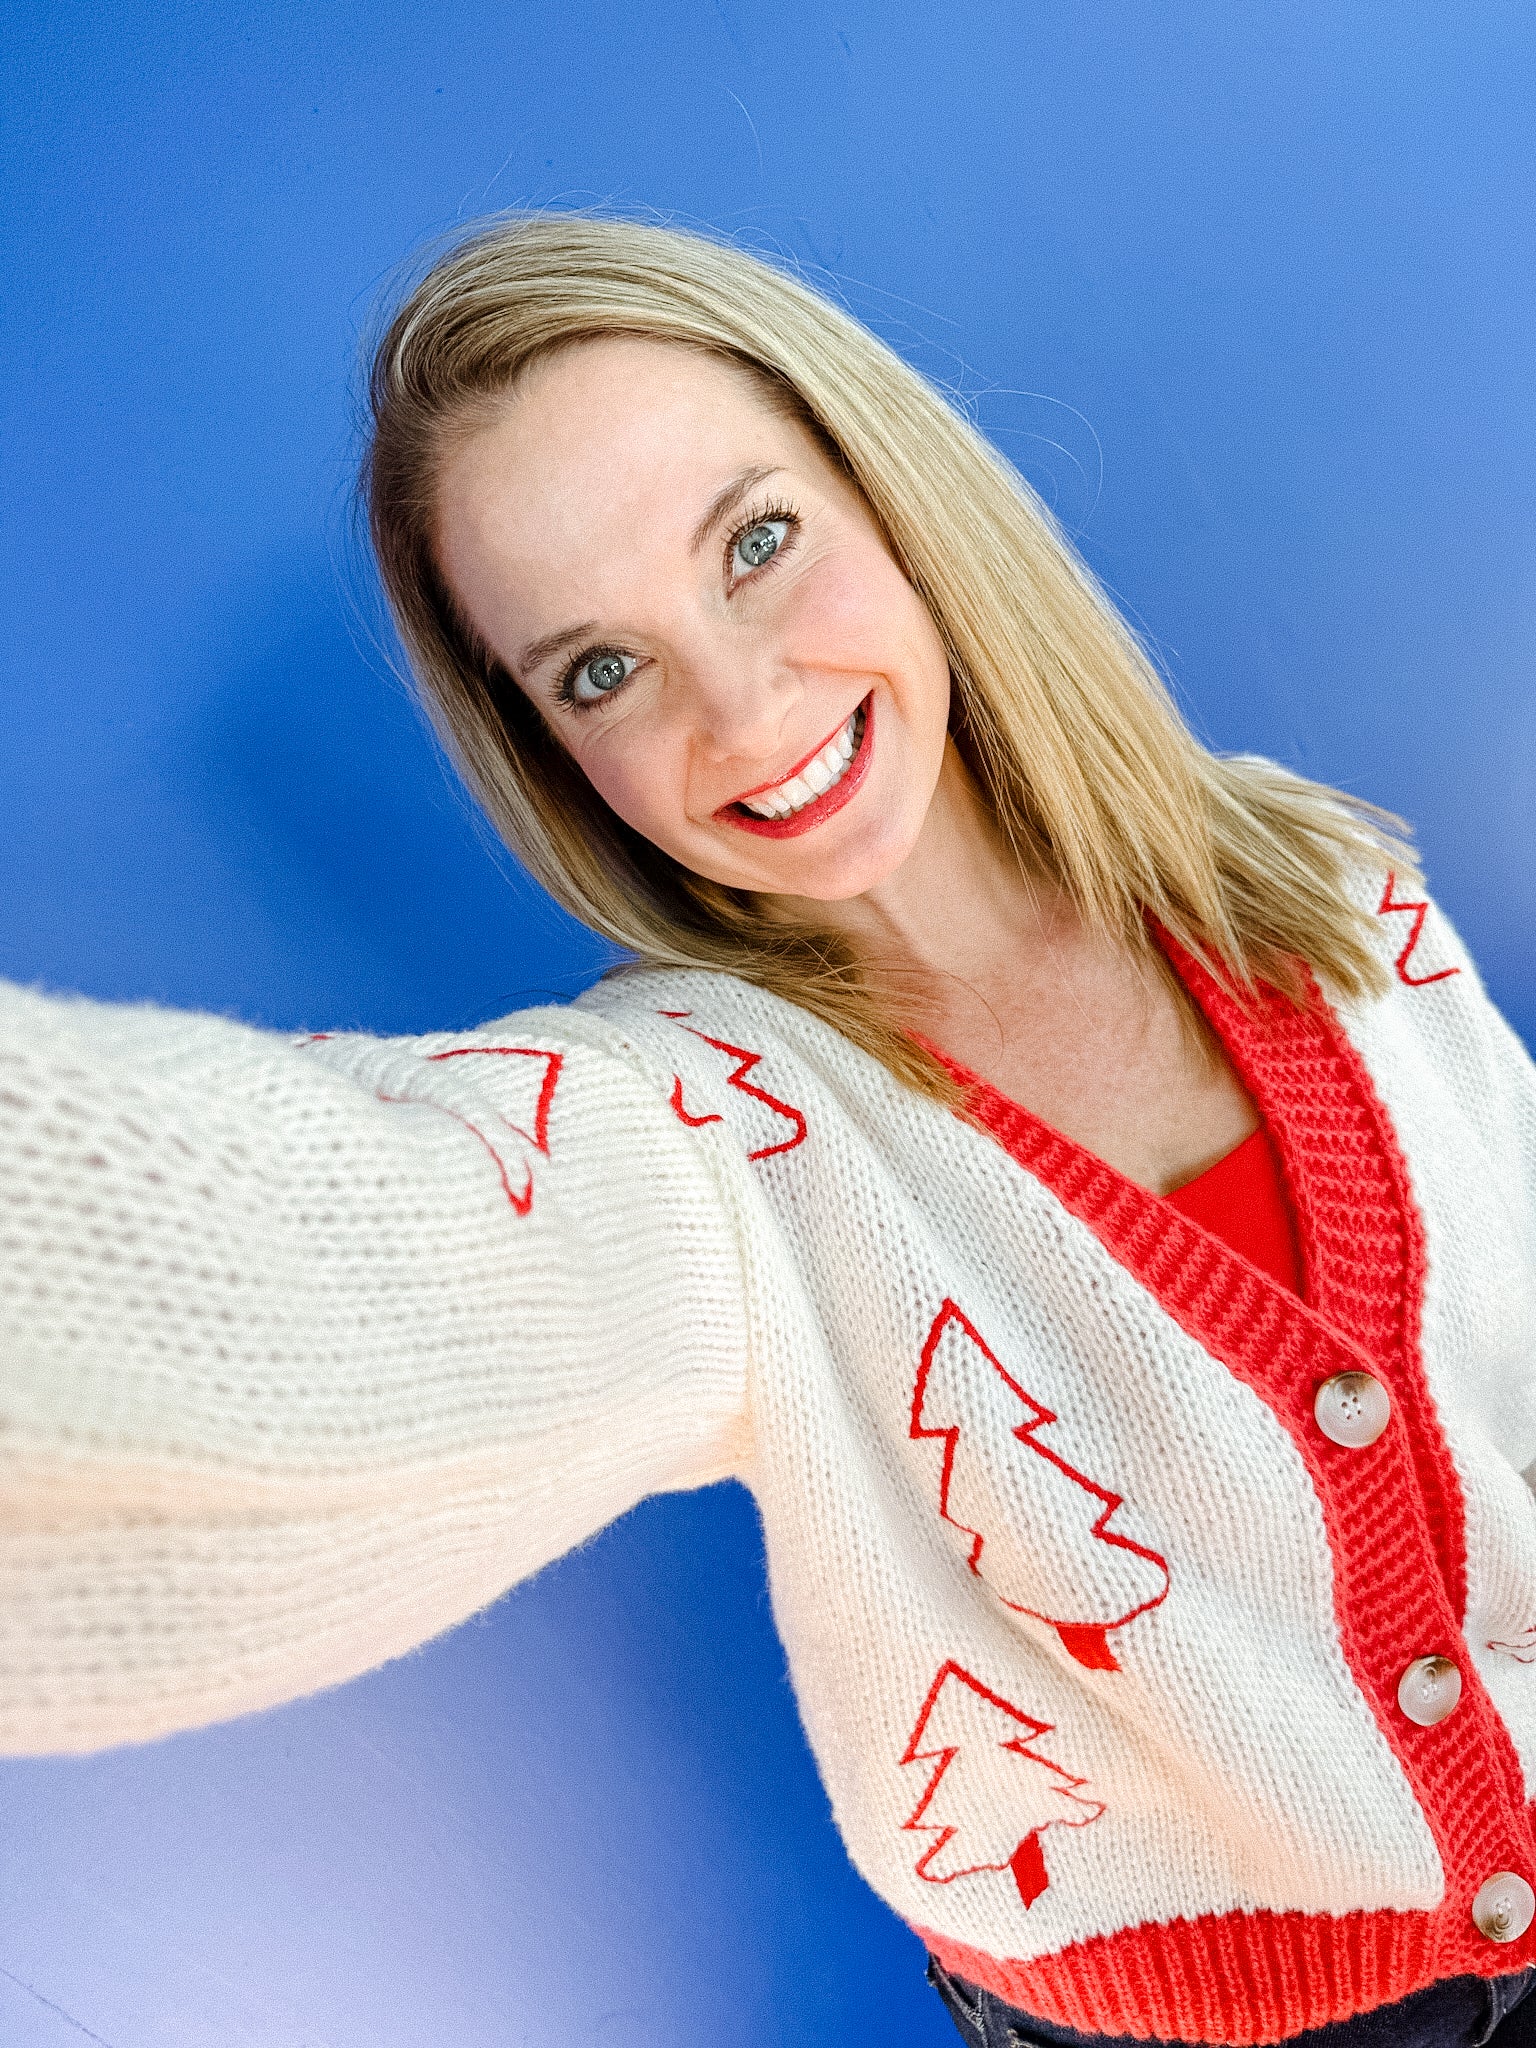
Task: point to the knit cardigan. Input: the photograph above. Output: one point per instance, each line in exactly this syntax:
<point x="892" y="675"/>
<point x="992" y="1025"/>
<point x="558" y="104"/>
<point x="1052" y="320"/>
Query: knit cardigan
<point x="308" y="1350"/>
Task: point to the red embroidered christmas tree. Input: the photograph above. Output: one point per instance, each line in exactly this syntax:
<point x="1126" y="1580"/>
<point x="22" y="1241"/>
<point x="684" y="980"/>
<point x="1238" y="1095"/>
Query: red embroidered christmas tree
<point x="1417" y="908"/>
<point x="991" y="1793"/>
<point x="506" y="1109"/>
<point x="502" y="1095"/>
<point x="776" y="1137"/>
<point x="1036" y="1530"/>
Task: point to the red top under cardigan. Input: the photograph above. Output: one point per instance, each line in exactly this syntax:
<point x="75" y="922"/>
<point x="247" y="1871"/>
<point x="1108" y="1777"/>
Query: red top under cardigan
<point x="1242" y="1200"/>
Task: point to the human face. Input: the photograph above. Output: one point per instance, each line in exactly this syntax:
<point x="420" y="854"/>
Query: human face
<point x="703" y="609"/>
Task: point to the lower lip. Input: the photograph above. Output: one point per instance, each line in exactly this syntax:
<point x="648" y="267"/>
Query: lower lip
<point x="825" y="805"/>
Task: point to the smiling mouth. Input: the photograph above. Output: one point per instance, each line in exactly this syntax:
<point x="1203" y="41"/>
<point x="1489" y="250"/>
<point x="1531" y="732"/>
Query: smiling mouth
<point x="821" y="784"/>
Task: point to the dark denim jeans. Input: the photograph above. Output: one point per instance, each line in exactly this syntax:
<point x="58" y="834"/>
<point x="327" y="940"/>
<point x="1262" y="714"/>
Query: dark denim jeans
<point x="1463" y="2012"/>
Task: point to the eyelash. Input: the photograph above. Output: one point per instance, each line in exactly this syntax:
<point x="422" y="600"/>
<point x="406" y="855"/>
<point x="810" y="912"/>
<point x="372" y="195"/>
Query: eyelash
<point x="775" y="508"/>
<point x="565" y="688"/>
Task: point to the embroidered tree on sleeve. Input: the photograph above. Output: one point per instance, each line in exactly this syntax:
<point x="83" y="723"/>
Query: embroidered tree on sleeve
<point x="500" y="1094"/>
<point x="1026" y="1517"/>
<point x="990" y="1793"/>
<point x="505" y="1105"/>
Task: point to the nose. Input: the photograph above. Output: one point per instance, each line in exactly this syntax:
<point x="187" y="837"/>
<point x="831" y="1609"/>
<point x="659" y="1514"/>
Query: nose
<point x="738" y="700"/>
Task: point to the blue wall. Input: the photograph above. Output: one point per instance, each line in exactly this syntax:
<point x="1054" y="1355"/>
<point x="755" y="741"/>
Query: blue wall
<point x="1246" y="291"/>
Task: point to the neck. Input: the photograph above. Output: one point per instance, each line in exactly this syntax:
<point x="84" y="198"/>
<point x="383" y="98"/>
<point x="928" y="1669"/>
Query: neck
<point x="960" y="903"/>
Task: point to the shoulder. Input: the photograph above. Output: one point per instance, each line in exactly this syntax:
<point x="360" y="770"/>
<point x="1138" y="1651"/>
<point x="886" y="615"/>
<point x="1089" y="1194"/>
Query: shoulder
<point x="764" y="1073"/>
<point x="1431" y="985"/>
<point x="647" y="1008"/>
<point x="1427" y="974"/>
<point x="661" y="1012"/>
<point x="1435" y="1021"/>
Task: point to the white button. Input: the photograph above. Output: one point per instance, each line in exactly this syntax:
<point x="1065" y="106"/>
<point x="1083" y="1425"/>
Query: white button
<point x="1429" y="1690"/>
<point x="1504" y="1908"/>
<point x="1353" y="1408"/>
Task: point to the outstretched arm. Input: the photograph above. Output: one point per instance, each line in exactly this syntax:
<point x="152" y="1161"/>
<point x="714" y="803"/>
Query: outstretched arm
<point x="309" y="1351"/>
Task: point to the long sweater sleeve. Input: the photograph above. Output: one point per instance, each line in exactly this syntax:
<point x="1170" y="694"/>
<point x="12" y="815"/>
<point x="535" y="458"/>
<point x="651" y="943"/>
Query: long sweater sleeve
<point x="309" y="1351"/>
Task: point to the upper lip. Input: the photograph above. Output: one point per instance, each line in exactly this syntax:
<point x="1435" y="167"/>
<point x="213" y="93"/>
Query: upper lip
<point x="789" y="774"/>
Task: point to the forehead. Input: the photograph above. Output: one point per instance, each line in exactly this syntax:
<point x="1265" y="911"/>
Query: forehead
<point x="592" y="435"/>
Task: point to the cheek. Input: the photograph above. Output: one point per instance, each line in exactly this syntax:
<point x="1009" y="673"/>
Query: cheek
<point x="638" y="774"/>
<point x="860" y="613"/>
<point x="847" y="612"/>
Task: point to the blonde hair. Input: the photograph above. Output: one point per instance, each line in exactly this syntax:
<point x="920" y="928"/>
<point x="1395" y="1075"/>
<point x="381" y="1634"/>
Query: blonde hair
<point x="1068" y="728"/>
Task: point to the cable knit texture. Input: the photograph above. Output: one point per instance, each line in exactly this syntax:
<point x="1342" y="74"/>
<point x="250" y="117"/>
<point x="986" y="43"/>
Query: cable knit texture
<point x="312" y="1349"/>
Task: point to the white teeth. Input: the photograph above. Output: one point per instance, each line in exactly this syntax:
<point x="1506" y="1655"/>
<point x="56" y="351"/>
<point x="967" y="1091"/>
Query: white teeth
<point x="769" y="805"/>
<point x="814" y="779"/>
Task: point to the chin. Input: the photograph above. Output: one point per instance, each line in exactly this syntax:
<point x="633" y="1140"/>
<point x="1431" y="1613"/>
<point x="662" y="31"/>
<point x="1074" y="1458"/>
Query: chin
<point x="837" y="877"/>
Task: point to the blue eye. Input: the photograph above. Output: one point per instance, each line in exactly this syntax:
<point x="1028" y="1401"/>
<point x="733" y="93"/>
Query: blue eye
<point x="759" y="543"/>
<point x="599" y="676"/>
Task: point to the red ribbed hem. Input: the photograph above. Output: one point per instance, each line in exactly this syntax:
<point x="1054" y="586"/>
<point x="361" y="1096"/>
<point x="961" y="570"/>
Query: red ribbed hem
<point x="1238" y="1979"/>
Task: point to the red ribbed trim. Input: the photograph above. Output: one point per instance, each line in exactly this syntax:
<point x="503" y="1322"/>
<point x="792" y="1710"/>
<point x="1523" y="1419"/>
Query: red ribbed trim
<point x="1394" y="1520"/>
<point x="1235" y="1978"/>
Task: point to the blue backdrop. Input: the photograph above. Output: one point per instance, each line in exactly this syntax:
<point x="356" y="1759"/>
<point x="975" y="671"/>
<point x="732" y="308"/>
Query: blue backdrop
<point x="1247" y="292"/>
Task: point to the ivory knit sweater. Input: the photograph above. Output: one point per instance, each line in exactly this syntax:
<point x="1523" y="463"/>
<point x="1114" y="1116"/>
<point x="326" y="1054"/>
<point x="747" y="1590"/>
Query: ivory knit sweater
<point x="312" y="1349"/>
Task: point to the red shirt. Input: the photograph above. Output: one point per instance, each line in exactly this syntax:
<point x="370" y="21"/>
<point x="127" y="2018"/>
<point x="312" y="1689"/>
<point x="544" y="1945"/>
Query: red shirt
<point x="1242" y="1200"/>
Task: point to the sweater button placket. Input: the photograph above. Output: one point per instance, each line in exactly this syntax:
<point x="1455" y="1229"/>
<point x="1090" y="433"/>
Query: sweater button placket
<point x="1352" y="1409"/>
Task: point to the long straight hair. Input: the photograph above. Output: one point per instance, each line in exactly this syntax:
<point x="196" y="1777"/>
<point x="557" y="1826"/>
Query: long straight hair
<point x="1075" y="742"/>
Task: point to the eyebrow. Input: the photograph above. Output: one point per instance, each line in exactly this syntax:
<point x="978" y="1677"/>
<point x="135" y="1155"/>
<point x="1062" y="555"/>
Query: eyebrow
<point x="725" y="501"/>
<point x="537" y="652"/>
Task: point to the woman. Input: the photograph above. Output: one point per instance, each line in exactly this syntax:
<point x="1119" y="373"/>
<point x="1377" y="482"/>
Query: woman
<point x="1076" y="1181"/>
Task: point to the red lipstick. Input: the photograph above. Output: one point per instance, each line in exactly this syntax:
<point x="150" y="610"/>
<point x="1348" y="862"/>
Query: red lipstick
<point x="820" y="808"/>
